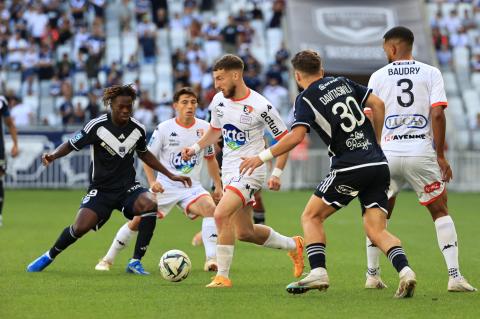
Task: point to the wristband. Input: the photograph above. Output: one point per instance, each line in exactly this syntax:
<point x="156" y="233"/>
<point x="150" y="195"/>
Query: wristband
<point x="196" y="148"/>
<point x="265" y="155"/>
<point x="277" y="172"/>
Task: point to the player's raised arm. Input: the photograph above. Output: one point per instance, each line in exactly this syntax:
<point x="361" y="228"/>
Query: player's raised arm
<point x="209" y="138"/>
<point x="378" y="114"/>
<point x="286" y="144"/>
<point x="61" y="151"/>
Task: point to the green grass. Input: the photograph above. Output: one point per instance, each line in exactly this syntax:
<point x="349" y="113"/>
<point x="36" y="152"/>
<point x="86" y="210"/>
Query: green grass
<point x="71" y="288"/>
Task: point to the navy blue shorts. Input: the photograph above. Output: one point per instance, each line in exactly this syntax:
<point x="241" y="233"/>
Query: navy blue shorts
<point x="103" y="202"/>
<point x="370" y="184"/>
<point x="3" y="159"/>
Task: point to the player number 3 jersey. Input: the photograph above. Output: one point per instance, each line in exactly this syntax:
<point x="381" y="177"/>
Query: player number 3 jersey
<point x="243" y="123"/>
<point x="409" y="89"/>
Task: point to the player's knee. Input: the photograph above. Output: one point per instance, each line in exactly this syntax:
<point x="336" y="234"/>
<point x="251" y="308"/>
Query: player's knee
<point x="309" y="216"/>
<point x="79" y="230"/>
<point x="147" y="204"/>
<point x="207" y="210"/>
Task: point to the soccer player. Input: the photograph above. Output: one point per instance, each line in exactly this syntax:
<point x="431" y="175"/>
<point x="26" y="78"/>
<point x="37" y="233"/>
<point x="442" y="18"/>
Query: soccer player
<point x="166" y="143"/>
<point x="241" y="115"/>
<point x="113" y="139"/>
<point x="333" y="108"/>
<point x="415" y="121"/>
<point x="5" y="113"/>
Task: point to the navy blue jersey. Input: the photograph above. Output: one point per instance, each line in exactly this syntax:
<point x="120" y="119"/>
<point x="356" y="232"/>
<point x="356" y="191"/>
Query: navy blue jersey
<point x="333" y="107"/>
<point x="112" y="149"/>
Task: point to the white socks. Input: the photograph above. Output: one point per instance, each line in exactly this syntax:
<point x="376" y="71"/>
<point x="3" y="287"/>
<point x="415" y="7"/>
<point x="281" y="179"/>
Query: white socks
<point x="373" y="258"/>
<point x="276" y="240"/>
<point x="447" y="242"/>
<point x="123" y="237"/>
<point x="209" y="237"/>
<point x="224" y="259"/>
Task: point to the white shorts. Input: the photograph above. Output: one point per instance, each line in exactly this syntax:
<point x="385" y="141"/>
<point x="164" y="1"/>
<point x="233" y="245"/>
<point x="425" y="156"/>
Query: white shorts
<point x="421" y="172"/>
<point x="244" y="186"/>
<point x="181" y="196"/>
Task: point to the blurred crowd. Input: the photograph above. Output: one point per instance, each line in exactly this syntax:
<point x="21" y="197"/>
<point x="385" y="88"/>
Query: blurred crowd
<point x="53" y="52"/>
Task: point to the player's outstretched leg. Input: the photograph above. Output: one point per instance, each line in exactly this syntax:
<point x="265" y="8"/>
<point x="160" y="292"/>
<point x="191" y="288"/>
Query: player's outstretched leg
<point x="86" y="220"/>
<point x="266" y="236"/>
<point x="448" y="244"/>
<point x="121" y="240"/>
<point x="374" y="222"/>
<point x="145" y="234"/>
<point x="313" y="217"/>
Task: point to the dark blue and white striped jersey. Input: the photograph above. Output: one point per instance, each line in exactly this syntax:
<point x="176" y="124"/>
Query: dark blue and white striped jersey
<point x="333" y="107"/>
<point x="112" y="148"/>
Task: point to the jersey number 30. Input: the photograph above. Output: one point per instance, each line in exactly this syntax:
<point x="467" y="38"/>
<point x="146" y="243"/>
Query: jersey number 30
<point x="348" y="114"/>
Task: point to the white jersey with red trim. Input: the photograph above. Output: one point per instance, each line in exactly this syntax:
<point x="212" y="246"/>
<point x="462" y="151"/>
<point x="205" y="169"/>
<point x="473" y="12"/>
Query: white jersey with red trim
<point x="409" y="89"/>
<point x="243" y="123"/>
<point x="167" y="142"/>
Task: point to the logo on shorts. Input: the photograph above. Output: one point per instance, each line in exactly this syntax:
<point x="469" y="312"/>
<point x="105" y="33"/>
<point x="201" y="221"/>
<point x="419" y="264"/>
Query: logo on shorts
<point x="432" y="187"/>
<point x="408" y="120"/>
<point x="234" y="137"/>
<point x="346" y="190"/>
<point x="181" y="165"/>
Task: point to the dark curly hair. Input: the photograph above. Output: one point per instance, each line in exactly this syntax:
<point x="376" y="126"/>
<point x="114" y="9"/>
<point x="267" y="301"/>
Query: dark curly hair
<point x="110" y="93"/>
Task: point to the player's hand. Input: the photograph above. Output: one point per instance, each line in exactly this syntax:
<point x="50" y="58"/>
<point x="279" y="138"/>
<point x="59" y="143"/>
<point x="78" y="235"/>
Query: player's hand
<point x="445" y="169"/>
<point x="217" y="194"/>
<point x="14" y="151"/>
<point x="249" y="164"/>
<point x="47" y="159"/>
<point x="274" y="183"/>
<point x="187" y="182"/>
<point x="187" y="153"/>
<point x="156" y="187"/>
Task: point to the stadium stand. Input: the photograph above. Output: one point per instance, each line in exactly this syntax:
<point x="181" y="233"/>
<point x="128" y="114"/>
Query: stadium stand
<point x="54" y="52"/>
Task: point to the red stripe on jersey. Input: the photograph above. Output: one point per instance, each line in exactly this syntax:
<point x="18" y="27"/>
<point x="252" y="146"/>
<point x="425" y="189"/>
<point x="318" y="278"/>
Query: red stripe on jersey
<point x="281" y="135"/>
<point x="440" y="104"/>
<point x="215" y="128"/>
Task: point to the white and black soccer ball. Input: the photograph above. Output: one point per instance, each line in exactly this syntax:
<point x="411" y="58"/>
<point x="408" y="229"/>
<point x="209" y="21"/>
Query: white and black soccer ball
<point x="175" y="265"/>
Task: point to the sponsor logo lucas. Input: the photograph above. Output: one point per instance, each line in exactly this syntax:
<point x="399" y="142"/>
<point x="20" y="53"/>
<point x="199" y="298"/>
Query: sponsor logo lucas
<point x="430" y="188"/>
<point x="408" y="120"/>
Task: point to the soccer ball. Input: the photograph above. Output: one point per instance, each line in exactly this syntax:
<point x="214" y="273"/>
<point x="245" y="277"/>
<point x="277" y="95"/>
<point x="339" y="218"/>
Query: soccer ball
<point x="175" y="265"/>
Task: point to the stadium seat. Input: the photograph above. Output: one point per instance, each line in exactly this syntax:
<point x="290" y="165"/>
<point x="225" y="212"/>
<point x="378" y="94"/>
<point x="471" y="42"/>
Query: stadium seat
<point x="447" y="7"/>
<point x="129" y="46"/>
<point x="113" y="50"/>
<point x="476" y="140"/>
<point x="274" y="41"/>
<point x="472" y="101"/>
<point x="450" y="83"/>
<point x="462" y="140"/>
<point x="83" y="100"/>
<point x="130" y="77"/>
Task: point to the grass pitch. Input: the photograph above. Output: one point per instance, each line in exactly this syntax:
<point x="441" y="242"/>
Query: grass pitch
<point x="71" y="288"/>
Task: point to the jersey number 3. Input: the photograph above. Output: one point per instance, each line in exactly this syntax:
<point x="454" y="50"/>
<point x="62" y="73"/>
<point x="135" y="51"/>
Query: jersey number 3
<point x="407" y="92"/>
<point x="348" y="114"/>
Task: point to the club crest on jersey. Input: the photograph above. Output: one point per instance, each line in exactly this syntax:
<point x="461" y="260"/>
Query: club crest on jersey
<point x="121" y="150"/>
<point x="181" y="165"/>
<point x="354" y="24"/>
<point x="234" y="137"/>
<point x="247" y="109"/>
<point x="409" y="120"/>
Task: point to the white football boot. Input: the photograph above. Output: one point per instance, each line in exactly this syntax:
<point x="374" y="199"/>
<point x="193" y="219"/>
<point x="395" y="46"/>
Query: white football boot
<point x="103" y="265"/>
<point x="460" y="284"/>
<point x="406" y="286"/>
